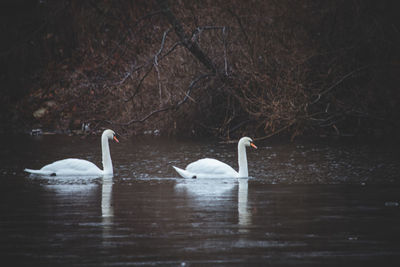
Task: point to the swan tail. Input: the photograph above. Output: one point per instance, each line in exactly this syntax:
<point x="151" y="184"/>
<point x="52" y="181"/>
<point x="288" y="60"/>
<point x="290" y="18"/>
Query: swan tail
<point x="39" y="172"/>
<point x="183" y="173"/>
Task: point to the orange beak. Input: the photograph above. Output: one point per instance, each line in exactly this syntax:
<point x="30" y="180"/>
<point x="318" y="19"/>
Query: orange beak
<point x="115" y="138"/>
<point x="253" y="145"/>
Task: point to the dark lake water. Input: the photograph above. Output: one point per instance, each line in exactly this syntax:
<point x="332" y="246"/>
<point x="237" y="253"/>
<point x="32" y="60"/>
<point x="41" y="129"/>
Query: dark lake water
<point x="321" y="203"/>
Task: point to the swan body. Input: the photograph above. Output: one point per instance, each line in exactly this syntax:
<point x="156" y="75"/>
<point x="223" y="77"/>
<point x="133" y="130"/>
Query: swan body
<point x="80" y="167"/>
<point x="212" y="168"/>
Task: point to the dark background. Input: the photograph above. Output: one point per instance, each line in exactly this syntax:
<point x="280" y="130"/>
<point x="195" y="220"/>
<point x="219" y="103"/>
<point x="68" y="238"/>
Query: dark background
<point x="202" y="68"/>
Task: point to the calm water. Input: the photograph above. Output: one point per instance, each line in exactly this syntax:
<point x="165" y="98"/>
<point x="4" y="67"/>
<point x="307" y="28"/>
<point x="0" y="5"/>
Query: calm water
<point x="306" y="204"/>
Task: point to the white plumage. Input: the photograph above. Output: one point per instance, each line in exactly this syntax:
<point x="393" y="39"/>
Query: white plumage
<point x="80" y="167"/>
<point x="212" y="168"/>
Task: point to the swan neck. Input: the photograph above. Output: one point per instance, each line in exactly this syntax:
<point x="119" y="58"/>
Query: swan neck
<point x="242" y="158"/>
<point x="107" y="164"/>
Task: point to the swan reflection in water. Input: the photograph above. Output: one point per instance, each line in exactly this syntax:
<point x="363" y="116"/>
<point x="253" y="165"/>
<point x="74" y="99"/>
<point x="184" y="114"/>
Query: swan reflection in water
<point x="206" y="189"/>
<point x="68" y="186"/>
<point x="210" y="193"/>
<point x="243" y="210"/>
<point x="107" y="209"/>
<point x="77" y="187"/>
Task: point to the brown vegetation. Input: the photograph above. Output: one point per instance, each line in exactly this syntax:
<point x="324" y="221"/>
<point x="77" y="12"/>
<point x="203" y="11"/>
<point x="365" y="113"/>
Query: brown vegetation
<point x="222" y="68"/>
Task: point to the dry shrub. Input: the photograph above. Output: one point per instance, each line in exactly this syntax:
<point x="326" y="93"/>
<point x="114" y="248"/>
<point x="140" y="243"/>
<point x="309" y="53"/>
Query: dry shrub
<point x="276" y="67"/>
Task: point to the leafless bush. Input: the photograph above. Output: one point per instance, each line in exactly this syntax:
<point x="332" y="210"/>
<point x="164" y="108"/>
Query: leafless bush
<point x="226" y="68"/>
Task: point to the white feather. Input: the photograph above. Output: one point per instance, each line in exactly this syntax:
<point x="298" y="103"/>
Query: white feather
<point x="80" y="167"/>
<point x="212" y="168"/>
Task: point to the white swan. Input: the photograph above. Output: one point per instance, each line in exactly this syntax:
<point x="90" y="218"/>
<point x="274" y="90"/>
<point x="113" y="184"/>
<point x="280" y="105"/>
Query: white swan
<point x="78" y="167"/>
<point x="212" y="168"/>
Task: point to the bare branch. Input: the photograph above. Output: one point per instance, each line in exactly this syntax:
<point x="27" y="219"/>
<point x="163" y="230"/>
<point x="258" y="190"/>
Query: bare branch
<point x="225" y="58"/>
<point x="127" y="75"/>
<point x="140" y="84"/>
<point x="345" y="77"/>
<point x="171" y="49"/>
<point x="197" y="32"/>
<point x="170" y="107"/>
<point x="185" y="39"/>
<point x="156" y="63"/>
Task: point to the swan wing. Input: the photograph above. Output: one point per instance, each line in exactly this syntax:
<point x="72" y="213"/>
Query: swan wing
<point x="38" y="172"/>
<point x="183" y="173"/>
<point x="211" y="168"/>
<point x="70" y="167"/>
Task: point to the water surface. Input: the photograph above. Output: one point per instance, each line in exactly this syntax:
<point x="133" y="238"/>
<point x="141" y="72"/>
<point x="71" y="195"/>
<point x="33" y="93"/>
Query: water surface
<point x="306" y="204"/>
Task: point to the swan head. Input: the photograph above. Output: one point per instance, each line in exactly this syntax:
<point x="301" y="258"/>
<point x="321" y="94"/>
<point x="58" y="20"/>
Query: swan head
<point x="246" y="141"/>
<point x="110" y="134"/>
